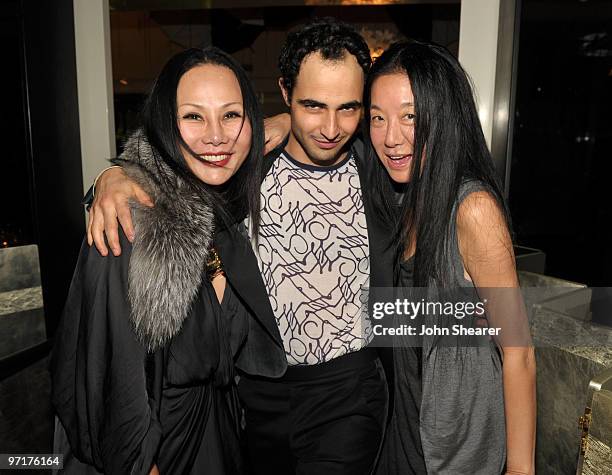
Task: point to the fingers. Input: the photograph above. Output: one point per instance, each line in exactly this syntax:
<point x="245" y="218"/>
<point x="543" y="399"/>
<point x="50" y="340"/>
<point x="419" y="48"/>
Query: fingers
<point x="96" y="220"/>
<point x="111" y="229"/>
<point x="141" y="196"/>
<point x="89" y="220"/>
<point x="124" y="214"/>
<point x="125" y="220"/>
<point x="272" y="142"/>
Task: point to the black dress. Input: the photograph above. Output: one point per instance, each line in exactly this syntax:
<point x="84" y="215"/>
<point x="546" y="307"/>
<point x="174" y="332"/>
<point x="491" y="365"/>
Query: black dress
<point x="123" y="409"/>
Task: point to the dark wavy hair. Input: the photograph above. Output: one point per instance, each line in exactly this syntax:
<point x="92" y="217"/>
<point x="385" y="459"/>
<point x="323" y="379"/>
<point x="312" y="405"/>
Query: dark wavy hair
<point x="450" y="147"/>
<point x="159" y="118"/>
<point x="328" y="36"/>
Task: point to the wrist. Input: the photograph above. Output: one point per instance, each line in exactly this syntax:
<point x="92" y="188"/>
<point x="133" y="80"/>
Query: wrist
<point x="95" y="183"/>
<point x="510" y="471"/>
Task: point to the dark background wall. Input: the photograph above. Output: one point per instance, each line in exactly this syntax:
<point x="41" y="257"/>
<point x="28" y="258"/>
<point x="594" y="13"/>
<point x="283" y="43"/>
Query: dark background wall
<point x="41" y="161"/>
<point x="560" y="193"/>
<point x="55" y="145"/>
<point x="41" y="188"/>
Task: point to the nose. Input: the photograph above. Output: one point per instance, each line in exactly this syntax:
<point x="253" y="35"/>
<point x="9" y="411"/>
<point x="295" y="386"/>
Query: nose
<point x="393" y="135"/>
<point x="330" y="129"/>
<point x="214" y="134"/>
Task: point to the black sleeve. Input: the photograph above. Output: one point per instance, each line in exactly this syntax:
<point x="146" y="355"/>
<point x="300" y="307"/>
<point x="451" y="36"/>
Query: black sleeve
<point x="99" y="383"/>
<point x="88" y="198"/>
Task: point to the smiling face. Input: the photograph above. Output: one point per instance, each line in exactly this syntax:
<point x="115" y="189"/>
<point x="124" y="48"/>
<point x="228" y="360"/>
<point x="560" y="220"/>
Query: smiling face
<point x="326" y="104"/>
<point x="392" y="122"/>
<point x="212" y="122"/>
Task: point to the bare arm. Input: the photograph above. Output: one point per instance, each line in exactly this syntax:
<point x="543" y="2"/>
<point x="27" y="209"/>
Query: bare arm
<point x="276" y="129"/>
<point x="486" y="249"/>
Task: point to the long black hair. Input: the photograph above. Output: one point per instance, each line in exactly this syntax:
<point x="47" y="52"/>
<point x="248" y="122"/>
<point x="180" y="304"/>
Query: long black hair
<point x="449" y="148"/>
<point x="159" y="120"/>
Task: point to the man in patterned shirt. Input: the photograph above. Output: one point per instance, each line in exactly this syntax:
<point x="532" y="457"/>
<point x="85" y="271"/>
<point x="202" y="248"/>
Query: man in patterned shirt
<point x="315" y="396"/>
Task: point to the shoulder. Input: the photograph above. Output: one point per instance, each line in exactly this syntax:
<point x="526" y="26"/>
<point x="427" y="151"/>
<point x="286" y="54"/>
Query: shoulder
<point x="484" y="240"/>
<point x="478" y="209"/>
<point x="95" y="265"/>
<point x="358" y="146"/>
<point x="98" y="279"/>
<point x="271" y="157"/>
<point x="481" y="225"/>
<point x="364" y="157"/>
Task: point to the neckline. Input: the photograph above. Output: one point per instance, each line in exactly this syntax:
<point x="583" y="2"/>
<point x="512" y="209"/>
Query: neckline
<point x="317" y="168"/>
<point x="408" y="261"/>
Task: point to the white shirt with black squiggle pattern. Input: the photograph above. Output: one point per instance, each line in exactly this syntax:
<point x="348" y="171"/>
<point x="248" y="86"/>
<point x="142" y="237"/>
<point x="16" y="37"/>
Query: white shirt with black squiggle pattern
<point x="313" y="254"/>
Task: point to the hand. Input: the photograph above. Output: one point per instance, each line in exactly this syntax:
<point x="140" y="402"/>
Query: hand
<point x="276" y="129"/>
<point x="154" y="470"/>
<point x="113" y="190"/>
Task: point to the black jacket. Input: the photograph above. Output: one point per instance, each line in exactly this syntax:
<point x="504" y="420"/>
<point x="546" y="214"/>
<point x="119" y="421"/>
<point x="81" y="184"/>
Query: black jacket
<point x="142" y="366"/>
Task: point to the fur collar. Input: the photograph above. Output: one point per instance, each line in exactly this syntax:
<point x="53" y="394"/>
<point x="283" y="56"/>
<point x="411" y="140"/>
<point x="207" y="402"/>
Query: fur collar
<point x="170" y="249"/>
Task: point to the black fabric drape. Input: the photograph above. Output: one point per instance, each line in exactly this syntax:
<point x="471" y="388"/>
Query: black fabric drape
<point x="123" y="409"/>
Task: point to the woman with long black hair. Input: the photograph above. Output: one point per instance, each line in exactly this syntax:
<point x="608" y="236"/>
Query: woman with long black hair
<point x="143" y="363"/>
<point x="457" y="409"/>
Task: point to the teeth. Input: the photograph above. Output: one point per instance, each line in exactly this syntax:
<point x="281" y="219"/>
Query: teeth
<point x="214" y="158"/>
<point x="398" y="157"/>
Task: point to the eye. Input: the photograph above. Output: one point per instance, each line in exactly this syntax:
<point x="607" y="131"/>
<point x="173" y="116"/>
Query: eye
<point x="192" y="116"/>
<point x="232" y="115"/>
<point x="349" y="109"/>
<point x="376" y="119"/>
<point x="409" y="117"/>
<point x="312" y="106"/>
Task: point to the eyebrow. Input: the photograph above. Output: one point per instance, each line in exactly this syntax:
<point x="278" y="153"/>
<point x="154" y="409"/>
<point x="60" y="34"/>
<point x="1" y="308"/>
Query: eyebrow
<point x="403" y="104"/>
<point x="351" y="105"/>
<point x="313" y="103"/>
<point x="199" y="106"/>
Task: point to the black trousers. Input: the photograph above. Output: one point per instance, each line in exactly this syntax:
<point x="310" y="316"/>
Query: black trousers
<point x="321" y="419"/>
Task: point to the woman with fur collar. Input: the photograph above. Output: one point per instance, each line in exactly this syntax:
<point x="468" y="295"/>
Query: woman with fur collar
<point x="142" y="366"/>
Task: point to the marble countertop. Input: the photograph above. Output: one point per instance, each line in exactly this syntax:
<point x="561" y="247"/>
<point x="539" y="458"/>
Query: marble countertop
<point x="19" y="300"/>
<point x="585" y="339"/>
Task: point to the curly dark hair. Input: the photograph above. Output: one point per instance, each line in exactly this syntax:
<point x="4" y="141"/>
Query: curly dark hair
<point x="328" y="36"/>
